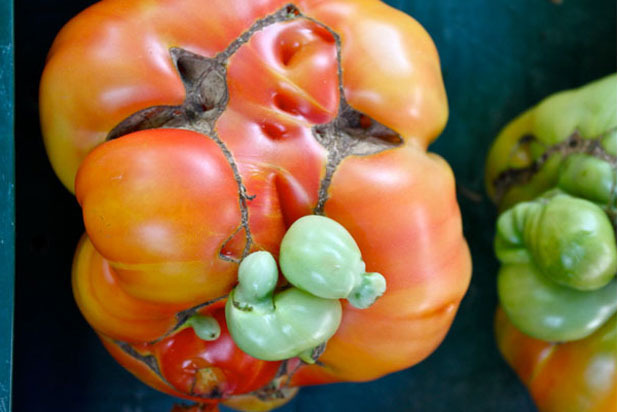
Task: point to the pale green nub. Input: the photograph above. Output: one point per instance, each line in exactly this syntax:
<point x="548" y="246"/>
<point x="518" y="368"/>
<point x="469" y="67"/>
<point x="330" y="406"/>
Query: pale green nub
<point x="320" y="256"/>
<point x="373" y="285"/>
<point x="257" y="278"/>
<point x="205" y="327"/>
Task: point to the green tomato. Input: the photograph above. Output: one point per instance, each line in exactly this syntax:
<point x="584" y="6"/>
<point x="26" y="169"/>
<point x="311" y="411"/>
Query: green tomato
<point x="552" y="172"/>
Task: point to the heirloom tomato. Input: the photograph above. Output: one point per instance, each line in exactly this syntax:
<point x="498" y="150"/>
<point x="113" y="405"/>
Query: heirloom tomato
<point x="552" y="172"/>
<point x="197" y="134"/>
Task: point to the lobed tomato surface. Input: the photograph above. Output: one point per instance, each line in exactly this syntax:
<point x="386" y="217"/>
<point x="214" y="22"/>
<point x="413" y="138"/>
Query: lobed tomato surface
<point x="193" y="134"/>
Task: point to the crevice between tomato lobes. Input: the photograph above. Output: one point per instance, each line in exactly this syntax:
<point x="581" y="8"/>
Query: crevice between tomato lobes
<point x="350" y="133"/>
<point x="529" y="144"/>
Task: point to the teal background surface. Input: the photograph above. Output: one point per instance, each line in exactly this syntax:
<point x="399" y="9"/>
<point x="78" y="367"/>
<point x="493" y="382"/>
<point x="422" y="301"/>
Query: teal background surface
<point x="7" y="203"/>
<point x="498" y="58"/>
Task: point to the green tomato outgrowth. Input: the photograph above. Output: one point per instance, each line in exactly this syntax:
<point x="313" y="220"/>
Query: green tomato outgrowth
<point x="323" y="263"/>
<point x="257" y="278"/>
<point x="205" y="327"/>
<point x="570" y="240"/>
<point x="280" y="327"/>
<point x="558" y="276"/>
<point x="320" y="256"/>
<point x="546" y="310"/>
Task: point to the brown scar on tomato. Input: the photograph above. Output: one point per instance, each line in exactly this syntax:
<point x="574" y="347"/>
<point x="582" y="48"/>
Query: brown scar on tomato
<point x="204" y="80"/>
<point x="351" y="133"/>
<point x="575" y="143"/>
<point x="183" y="316"/>
<point x="149" y="360"/>
<point x="279" y="387"/>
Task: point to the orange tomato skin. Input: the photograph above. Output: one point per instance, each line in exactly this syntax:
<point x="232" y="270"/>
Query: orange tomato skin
<point x="398" y="217"/>
<point x="162" y="207"/>
<point x="255" y="404"/>
<point x="422" y="215"/>
<point x="129" y="319"/>
<point x="578" y="376"/>
<point x="113" y="60"/>
<point x="147" y="202"/>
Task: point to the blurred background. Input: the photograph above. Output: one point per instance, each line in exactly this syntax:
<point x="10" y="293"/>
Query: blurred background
<point x="498" y="58"/>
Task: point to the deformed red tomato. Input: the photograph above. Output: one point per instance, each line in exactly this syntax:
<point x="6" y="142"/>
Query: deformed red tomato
<point x="194" y="134"/>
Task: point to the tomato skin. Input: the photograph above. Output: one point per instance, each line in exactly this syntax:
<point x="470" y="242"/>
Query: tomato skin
<point x="128" y="319"/>
<point x="113" y="60"/>
<point x="574" y="376"/>
<point x="589" y="110"/>
<point x="162" y="228"/>
<point x="169" y="211"/>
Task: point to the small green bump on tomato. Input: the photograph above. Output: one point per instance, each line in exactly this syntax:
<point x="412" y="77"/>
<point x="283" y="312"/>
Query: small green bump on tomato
<point x="373" y="285"/>
<point x="307" y="356"/>
<point x="509" y="233"/>
<point x="257" y="279"/>
<point x="321" y="257"/>
<point x="205" y="327"/>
